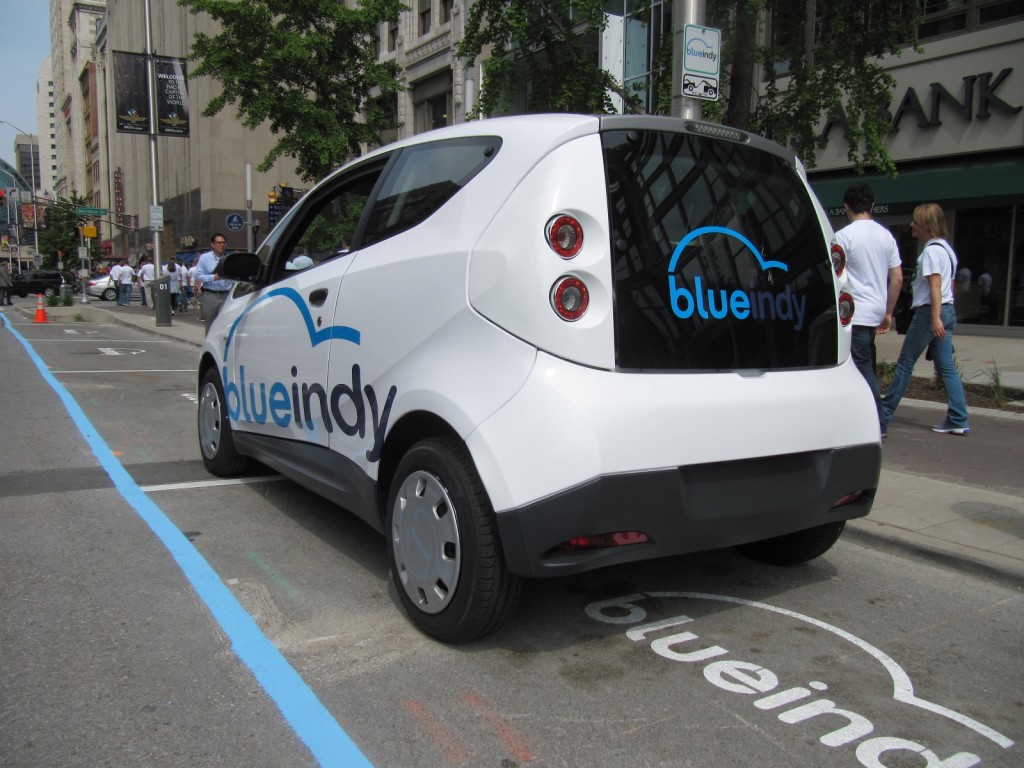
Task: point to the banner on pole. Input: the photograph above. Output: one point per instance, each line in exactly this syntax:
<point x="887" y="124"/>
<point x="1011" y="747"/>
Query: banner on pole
<point x="131" y="96"/>
<point x="171" y="96"/>
<point x="28" y="216"/>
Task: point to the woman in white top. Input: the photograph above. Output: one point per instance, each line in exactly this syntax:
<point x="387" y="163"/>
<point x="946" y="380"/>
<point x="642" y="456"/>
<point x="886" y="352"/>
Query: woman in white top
<point x="933" y="322"/>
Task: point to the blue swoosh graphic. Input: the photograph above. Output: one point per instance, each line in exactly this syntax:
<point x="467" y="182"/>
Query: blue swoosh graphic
<point x="343" y="332"/>
<point x="728" y="233"/>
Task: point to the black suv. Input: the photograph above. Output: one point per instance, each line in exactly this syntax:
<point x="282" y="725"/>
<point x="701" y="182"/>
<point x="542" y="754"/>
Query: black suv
<point x="44" y="281"/>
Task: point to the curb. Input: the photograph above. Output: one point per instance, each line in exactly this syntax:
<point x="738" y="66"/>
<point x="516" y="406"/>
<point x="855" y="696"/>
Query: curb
<point x="990" y="566"/>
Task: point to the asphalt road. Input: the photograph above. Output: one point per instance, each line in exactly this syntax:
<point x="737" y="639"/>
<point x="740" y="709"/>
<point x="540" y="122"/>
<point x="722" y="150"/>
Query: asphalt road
<point x="118" y="649"/>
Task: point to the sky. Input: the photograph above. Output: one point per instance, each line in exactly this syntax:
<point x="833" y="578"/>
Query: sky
<point x="26" y="45"/>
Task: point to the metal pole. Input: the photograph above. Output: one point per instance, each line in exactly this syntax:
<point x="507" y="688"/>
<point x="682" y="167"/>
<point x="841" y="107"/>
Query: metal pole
<point x="683" y="13"/>
<point x="250" y="236"/>
<point x="154" y="190"/>
<point x="161" y="295"/>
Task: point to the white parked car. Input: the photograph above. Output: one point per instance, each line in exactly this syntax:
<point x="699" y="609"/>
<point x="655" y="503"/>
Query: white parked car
<point x="533" y="346"/>
<point x="102" y="287"/>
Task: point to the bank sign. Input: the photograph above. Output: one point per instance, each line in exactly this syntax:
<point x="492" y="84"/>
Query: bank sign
<point x="702" y="62"/>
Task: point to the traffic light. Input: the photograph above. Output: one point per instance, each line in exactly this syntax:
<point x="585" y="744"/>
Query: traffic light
<point x="3" y="197"/>
<point x="287" y="194"/>
<point x="272" y="196"/>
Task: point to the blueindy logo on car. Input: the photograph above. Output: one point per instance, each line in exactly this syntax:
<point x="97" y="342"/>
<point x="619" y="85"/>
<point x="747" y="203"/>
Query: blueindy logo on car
<point x="304" y="403"/>
<point x="718" y="303"/>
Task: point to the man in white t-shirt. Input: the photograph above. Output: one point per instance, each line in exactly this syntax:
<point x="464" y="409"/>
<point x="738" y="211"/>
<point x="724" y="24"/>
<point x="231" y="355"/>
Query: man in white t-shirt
<point x="147" y="274"/>
<point x="875" y="275"/>
<point x="125" y="280"/>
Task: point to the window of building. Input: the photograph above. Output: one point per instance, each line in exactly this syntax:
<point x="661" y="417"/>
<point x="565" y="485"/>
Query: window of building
<point x="432" y="103"/>
<point x="425" y="16"/>
<point x="948" y="17"/>
<point x="446" y="11"/>
<point x="392" y="36"/>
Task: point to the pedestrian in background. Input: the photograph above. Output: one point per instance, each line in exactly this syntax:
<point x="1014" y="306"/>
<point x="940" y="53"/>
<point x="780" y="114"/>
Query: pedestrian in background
<point x="174" y="271"/>
<point x="147" y="274"/>
<point x="125" y="281"/>
<point x="933" y="321"/>
<point x="212" y="290"/>
<point x="875" y="275"/>
<point x="5" y="286"/>
<point x="115" y="279"/>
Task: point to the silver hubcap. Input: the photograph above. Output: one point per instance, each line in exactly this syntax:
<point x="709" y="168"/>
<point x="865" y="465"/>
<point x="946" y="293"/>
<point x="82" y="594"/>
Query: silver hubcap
<point x="425" y="534"/>
<point x="209" y="421"/>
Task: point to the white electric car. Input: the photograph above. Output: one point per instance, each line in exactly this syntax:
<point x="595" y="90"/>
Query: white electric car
<point x="533" y="346"/>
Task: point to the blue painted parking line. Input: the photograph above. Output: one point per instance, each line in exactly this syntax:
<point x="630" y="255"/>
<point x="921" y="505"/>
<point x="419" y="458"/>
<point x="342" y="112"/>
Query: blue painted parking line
<point x="303" y="711"/>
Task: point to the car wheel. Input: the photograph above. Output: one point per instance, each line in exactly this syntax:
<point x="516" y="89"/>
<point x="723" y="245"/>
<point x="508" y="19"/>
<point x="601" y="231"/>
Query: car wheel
<point x="797" y="547"/>
<point x="49" y="291"/>
<point x="216" y="440"/>
<point x="443" y="546"/>
<point x="110" y="294"/>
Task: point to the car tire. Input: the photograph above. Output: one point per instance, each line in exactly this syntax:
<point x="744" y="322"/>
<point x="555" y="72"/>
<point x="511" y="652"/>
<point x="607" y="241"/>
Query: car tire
<point x="49" y="291"/>
<point x="443" y="545"/>
<point x="216" y="438"/>
<point x="110" y="294"/>
<point x="797" y="547"/>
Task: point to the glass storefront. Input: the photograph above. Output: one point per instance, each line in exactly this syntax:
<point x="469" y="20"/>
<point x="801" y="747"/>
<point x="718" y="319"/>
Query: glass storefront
<point x="985" y="230"/>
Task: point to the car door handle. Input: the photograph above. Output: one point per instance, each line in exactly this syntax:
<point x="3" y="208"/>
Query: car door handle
<point x="318" y="297"/>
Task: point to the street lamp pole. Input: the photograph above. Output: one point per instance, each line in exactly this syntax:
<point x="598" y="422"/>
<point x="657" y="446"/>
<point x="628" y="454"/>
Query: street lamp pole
<point x="32" y="155"/>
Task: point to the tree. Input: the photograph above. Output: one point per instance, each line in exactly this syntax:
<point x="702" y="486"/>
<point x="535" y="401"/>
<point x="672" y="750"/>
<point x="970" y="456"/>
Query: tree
<point x="307" y="68"/>
<point x="542" y="53"/>
<point x="821" y="60"/>
<point x="60" y="240"/>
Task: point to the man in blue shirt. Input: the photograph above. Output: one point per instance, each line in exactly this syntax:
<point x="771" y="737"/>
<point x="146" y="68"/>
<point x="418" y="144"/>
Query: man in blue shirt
<point x="212" y="290"/>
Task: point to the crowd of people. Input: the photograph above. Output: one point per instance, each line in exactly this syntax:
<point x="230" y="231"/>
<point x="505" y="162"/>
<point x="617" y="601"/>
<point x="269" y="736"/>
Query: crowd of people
<point x="189" y="287"/>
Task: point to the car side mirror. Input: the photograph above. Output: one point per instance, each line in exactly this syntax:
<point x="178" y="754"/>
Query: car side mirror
<point x="244" y="267"/>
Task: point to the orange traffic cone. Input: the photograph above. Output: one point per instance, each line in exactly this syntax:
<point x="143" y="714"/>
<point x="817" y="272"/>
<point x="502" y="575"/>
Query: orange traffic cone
<point x="40" y="310"/>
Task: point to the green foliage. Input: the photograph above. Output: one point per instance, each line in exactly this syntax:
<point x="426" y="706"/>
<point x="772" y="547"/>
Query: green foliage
<point x="840" y="75"/>
<point x="61" y="237"/>
<point x="540" y="56"/>
<point x="543" y="57"/>
<point x="309" y="69"/>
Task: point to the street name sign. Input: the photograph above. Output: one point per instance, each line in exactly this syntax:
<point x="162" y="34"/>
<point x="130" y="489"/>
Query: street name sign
<point x="88" y="210"/>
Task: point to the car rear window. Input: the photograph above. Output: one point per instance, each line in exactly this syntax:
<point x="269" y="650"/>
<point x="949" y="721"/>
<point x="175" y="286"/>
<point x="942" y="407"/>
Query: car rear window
<point x="719" y="259"/>
<point x="423" y="178"/>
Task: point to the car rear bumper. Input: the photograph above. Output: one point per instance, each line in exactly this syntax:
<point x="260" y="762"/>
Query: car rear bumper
<point x="690" y="508"/>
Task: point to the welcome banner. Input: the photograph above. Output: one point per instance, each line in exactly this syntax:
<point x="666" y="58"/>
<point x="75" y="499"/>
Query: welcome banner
<point x="131" y="95"/>
<point x="171" y="96"/>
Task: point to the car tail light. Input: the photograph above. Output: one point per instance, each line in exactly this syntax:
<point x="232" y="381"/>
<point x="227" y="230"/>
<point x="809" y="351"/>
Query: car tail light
<point x="849" y="498"/>
<point x="838" y="259"/>
<point x="569" y="298"/>
<point x="845" y="308"/>
<point x="602" y="541"/>
<point x="564" y="235"/>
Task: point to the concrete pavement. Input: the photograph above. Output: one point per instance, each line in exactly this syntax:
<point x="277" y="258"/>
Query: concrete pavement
<point x="960" y="526"/>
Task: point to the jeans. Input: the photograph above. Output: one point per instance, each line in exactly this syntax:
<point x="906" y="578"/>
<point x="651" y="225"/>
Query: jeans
<point x="862" y="347"/>
<point x="919" y="336"/>
<point x="124" y="295"/>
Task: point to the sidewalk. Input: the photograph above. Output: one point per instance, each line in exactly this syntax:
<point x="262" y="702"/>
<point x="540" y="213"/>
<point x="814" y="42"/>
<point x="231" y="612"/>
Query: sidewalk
<point x="959" y="526"/>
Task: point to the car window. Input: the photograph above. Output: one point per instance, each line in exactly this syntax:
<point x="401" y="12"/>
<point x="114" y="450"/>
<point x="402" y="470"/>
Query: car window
<point x="713" y="305"/>
<point x="424" y="178"/>
<point x="327" y="223"/>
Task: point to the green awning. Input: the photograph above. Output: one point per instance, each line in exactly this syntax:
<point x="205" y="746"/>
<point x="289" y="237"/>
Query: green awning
<point x="1003" y="179"/>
